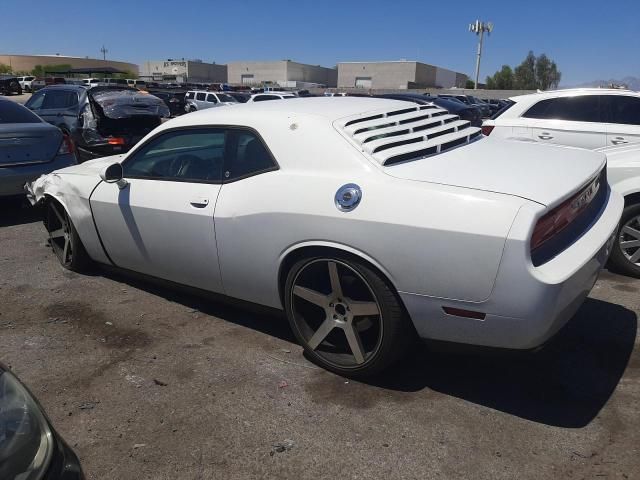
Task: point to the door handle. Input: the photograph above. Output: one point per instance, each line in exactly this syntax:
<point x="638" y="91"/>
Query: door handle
<point x="199" y="202"/>
<point x="545" y="136"/>
<point x="619" y="141"/>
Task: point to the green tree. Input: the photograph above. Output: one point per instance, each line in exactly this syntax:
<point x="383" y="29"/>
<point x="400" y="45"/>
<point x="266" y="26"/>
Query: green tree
<point x="469" y="84"/>
<point x="5" y="68"/>
<point x="502" y="79"/>
<point x="525" y="73"/>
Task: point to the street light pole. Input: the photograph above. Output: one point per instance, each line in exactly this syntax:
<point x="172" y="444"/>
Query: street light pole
<point x="479" y="28"/>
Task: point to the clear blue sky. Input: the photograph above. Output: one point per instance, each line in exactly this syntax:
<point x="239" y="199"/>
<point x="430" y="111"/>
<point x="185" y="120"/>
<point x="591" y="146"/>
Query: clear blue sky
<point x="589" y="39"/>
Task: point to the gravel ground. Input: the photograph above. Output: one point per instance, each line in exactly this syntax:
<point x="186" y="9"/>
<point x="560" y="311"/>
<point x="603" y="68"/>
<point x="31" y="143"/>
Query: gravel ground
<point x="147" y="383"/>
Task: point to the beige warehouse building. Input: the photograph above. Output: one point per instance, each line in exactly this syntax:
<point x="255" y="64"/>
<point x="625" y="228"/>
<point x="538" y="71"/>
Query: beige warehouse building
<point x="284" y="73"/>
<point x="395" y="75"/>
<point x="26" y="63"/>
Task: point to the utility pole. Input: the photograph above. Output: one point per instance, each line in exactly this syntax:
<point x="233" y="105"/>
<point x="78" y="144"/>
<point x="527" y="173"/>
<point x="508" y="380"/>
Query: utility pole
<point x="479" y="28"/>
<point x="104" y="52"/>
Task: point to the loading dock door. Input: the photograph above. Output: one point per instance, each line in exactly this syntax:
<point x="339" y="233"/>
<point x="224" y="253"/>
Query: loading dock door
<point x="363" y="82"/>
<point x="246" y="79"/>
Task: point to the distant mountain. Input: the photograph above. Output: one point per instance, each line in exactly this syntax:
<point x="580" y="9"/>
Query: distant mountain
<point x="633" y="83"/>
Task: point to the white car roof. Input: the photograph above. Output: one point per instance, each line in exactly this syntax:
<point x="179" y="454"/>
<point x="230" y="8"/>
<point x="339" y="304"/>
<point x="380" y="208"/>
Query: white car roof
<point x="572" y="92"/>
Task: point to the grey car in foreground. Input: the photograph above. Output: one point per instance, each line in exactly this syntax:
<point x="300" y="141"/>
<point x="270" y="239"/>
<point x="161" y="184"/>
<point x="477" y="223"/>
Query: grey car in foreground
<point x="29" y="147"/>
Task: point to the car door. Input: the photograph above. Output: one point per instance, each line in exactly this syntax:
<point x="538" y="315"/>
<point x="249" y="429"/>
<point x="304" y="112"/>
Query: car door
<point x="212" y="100"/>
<point x="242" y="225"/>
<point x="56" y="106"/>
<point x="200" y="101"/>
<point x="623" y="119"/>
<point x="575" y="121"/>
<point x="161" y="223"/>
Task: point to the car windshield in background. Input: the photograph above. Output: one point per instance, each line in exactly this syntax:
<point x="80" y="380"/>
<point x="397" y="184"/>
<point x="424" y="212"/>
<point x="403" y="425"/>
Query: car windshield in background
<point x="510" y="103"/>
<point x="11" y="112"/>
<point x="223" y="97"/>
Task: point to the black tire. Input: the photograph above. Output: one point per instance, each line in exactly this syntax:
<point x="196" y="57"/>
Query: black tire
<point x="395" y="331"/>
<point x="621" y="262"/>
<point x="64" y="239"/>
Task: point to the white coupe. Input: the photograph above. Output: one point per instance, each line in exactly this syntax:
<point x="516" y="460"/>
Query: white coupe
<point x="369" y="221"/>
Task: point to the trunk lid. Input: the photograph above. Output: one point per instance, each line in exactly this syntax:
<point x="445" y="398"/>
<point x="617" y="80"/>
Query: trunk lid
<point x="546" y="174"/>
<point x="28" y="143"/>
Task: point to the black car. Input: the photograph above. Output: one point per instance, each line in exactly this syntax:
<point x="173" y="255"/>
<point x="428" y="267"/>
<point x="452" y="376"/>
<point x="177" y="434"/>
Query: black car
<point x="9" y="85"/>
<point x="30" y="448"/>
<point x="472" y="101"/>
<point x="465" y="112"/>
<point x="172" y="99"/>
<point x="102" y="120"/>
<point x="241" y="97"/>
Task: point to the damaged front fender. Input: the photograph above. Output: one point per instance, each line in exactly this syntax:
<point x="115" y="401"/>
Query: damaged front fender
<point x="73" y="192"/>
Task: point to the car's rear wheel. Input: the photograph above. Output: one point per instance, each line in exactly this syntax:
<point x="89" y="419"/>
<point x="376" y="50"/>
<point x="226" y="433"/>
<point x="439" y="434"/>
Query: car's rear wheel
<point x="626" y="251"/>
<point x="64" y="238"/>
<point x="346" y="316"/>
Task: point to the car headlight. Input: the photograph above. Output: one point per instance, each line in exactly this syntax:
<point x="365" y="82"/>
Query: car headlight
<point x="26" y="441"/>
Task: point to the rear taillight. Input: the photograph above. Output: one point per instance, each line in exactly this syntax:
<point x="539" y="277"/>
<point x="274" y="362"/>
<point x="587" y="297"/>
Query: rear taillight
<point x="115" y="141"/>
<point x="487" y="129"/>
<point x="560" y="217"/>
<point x="66" y="147"/>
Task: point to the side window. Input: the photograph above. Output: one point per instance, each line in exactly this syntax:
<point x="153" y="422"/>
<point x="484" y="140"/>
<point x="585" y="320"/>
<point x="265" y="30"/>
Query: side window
<point x="212" y="98"/>
<point x="36" y="100"/>
<point x="190" y="95"/>
<point x="262" y="98"/>
<point x="60" y="99"/>
<point x="623" y="109"/>
<point x="200" y="96"/>
<point x="583" y="108"/>
<point x="246" y="155"/>
<point x="194" y="155"/>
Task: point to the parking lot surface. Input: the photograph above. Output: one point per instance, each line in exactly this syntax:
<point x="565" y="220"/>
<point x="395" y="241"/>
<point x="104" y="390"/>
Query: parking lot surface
<point x="148" y="383"/>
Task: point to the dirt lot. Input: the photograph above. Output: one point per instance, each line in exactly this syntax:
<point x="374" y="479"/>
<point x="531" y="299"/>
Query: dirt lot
<point x="146" y="383"/>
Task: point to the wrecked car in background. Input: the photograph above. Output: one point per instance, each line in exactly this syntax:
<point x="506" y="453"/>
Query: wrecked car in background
<point x="101" y="121"/>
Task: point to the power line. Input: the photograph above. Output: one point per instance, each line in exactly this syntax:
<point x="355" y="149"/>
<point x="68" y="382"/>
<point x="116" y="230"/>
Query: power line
<point x="479" y="28"/>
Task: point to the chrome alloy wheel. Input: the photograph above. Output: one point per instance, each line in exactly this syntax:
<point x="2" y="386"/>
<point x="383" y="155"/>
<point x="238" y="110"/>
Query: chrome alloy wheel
<point x="629" y="240"/>
<point x="336" y="313"/>
<point x="59" y="227"/>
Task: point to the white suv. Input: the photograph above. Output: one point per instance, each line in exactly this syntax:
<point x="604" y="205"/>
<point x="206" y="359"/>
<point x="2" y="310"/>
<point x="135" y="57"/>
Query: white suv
<point x="587" y="118"/>
<point x="25" y="83"/>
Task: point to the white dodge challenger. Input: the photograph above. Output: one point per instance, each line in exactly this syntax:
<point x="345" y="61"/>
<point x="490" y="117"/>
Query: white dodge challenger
<point x="370" y="222"/>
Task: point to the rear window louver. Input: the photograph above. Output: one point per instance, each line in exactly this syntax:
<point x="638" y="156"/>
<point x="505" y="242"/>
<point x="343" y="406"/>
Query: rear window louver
<point x="407" y="134"/>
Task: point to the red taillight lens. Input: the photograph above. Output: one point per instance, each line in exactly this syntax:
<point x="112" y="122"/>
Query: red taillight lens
<point x="115" y="141"/>
<point x="557" y="219"/>
<point x="66" y="147"/>
<point x="487" y="129"/>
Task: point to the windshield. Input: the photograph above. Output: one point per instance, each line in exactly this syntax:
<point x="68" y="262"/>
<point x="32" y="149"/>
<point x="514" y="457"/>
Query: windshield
<point x="11" y="112"/>
<point x="223" y="97"/>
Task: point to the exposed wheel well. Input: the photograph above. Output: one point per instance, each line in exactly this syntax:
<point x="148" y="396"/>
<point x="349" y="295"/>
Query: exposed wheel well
<point x="632" y="199"/>
<point x="319" y="250"/>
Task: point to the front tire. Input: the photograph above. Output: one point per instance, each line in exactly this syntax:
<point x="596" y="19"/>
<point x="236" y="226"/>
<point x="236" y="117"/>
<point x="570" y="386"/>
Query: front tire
<point x="346" y="316"/>
<point x="625" y="256"/>
<point x="64" y="239"/>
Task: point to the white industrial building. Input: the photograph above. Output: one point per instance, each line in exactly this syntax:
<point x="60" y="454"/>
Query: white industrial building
<point x="182" y="71"/>
<point x="283" y="73"/>
<point x="395" y="75"/>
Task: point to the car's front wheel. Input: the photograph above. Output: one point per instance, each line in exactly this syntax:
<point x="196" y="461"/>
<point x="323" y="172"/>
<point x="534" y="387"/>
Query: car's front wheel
<point x="64" y="238"/>
<point x="626" y="251"/>
<point x="346" y="315"/>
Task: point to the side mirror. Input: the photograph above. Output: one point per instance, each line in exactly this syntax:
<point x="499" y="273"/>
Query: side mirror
<point x="113" y="174"/>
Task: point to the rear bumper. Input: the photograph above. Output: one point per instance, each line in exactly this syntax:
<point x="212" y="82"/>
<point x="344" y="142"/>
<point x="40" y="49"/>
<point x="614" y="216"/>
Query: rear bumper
<point x="12" y="179"/>
<point x="528" y="304"/>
